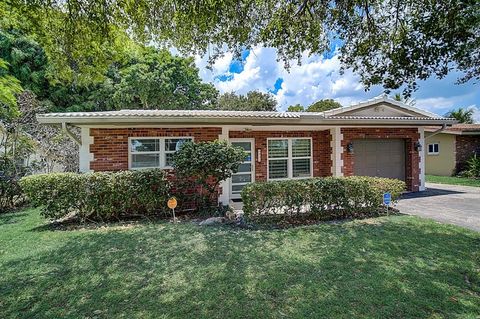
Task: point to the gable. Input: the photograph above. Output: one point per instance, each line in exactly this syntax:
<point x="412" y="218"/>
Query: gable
<point x="381" y="106"/>
<point x="383" y="110"/>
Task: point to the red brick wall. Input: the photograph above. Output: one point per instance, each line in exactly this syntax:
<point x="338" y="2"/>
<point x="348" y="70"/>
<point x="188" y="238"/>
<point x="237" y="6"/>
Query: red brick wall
<point x="110" y="145"/>
<point x="410" y="135"/>
<point x="321" y="149"/>
<point x="466" y="147"/>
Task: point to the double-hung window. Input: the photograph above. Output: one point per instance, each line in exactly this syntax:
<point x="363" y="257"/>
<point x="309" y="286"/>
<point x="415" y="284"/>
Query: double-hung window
<point x="433" y="149"/>
<point x="154" y="152"/>
<point x="289" y="158"/>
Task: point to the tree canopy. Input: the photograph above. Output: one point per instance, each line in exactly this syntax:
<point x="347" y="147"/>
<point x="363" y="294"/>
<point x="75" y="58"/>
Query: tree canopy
<point x="252" y="101"/>
<point x="462" y="115"/>
<point x="390" y="43"/>
<point x="319" y="106"/>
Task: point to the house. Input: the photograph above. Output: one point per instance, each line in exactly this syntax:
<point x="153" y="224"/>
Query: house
<point x="447" y="150"/>
<point x="379" y="137"/>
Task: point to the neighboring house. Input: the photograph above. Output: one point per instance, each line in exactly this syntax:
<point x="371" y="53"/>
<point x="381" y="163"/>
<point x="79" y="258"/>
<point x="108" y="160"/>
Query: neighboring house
<point x="448" y="150"/>
<point x="380" y="137"/>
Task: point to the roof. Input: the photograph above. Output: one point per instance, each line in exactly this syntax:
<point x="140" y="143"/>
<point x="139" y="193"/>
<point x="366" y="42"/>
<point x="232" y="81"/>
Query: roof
<point x="459" y="129"/>
<point x="406" y="115"/>
<point x="383" y="98"/>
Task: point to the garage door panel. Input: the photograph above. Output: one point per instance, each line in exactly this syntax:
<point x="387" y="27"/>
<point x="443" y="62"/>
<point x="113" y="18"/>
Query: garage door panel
<point x="380" y="157"/>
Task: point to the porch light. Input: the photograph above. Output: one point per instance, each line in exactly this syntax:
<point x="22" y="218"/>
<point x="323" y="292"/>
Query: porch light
<point x="350" y="148"/>
<point x="417" y="146"/>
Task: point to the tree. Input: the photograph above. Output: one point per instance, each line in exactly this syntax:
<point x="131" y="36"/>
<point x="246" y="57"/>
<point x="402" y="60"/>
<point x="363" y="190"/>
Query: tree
<point x="463" y="115"/>
<point x="252" y="101"/>
<point x="323" y="105"/>
<point x="385" y="42"/>
<point x="9" y="86"/>
<point x="159" y="80"/>
<point x="296" y="108"/>
<point x="145" y="78"/>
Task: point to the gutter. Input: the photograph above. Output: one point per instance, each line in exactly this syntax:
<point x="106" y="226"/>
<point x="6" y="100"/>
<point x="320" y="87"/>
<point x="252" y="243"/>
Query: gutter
<point x="123" y="121"/>
<point x="443" y="128"/>
<point x="71" y="134"/>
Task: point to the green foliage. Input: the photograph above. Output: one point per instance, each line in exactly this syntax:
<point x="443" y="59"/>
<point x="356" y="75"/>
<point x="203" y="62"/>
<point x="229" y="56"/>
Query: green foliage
<point x="202" y="166"/>
<point x="11" y="195"/>
<point x="98" y="196"/>
<point x="295" y="108"/>
<point x="159" y="80"/>
<point x="462" y="115"/>
<point x="28" y="61"/>
<point x="387" y="43"/>
<point x="323" y="105"/>
<point x="252" y="101"/>
<point x="473" y="167"/>
<point x="319" y="106"/>
<point x="324" y="198"/>
<point x="9" y="86"/>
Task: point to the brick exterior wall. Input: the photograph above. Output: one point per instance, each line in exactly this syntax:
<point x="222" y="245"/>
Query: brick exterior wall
<point x="410" y="135"/>
<point x="465" y="147"/>
<point x="110" y="145"/>
<point x="321" y="149"/>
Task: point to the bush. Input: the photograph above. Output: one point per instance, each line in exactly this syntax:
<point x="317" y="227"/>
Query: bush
<point x="98" y="196"/>
<point x="11" y="195"/>
<point x="202" y="166"/>
<point x="473" y="167"/>
<point x="324" y="198"/>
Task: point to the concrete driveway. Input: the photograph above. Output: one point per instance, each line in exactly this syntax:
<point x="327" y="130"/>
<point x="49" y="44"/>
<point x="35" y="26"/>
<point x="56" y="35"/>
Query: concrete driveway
<point x="452" y="204"/>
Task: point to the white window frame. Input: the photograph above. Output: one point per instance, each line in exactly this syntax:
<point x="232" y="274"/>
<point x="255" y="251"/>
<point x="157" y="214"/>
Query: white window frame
<point x="433" y="146"/>
<point x="290" y="158"/>
<point x="162" y="153"/>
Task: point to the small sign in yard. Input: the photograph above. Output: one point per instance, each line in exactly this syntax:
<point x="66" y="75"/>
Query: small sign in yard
<point x="172" y="204"/>
<point x="387" y="198"/>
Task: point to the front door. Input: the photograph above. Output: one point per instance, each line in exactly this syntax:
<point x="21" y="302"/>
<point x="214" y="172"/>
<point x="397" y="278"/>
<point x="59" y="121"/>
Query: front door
<point x="246" y="171"/>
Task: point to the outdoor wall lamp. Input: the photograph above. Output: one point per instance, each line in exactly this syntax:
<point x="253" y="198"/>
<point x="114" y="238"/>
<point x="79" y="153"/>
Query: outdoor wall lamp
<point x="417" y="146"/>
<point x="350" y="148"/>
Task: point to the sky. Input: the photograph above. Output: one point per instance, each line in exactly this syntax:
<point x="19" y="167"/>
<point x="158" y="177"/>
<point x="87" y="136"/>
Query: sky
<point x="318" y="77"/>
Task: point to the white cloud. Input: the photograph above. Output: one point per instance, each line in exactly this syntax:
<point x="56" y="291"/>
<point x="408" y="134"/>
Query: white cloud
<point x="319" y="78"/>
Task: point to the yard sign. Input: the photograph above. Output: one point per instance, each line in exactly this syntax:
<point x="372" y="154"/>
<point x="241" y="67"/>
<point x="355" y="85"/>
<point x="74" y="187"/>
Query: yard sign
<point x="387" y="199"/>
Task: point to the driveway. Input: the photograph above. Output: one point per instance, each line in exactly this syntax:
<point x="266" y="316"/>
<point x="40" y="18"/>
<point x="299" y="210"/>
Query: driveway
<point x="452" y="204"/>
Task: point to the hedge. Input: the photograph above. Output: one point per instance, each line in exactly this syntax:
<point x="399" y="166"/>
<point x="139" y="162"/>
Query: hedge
<point x="324" y="198"/>
<point x="98" y="196"/>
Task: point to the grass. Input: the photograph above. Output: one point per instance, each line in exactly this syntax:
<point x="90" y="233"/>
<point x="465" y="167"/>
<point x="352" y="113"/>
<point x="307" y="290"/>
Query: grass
<point x="453" y="180"/>
<point x="388" y="267"/>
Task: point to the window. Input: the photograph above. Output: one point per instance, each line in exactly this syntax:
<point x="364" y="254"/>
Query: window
<point x="151" y="152"/>
<point x="289" y="158"/>
<point x="433" y="149"/>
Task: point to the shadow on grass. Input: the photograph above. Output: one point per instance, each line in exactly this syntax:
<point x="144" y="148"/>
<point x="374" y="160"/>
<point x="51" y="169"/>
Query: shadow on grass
<point x="363" y="269"/>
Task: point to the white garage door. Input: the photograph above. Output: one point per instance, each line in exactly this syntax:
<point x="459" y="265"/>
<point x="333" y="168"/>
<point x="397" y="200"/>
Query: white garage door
<point x="379" y="157"/>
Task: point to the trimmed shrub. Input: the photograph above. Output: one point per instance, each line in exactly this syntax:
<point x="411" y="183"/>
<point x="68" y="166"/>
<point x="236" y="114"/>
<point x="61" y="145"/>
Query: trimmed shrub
<point x="324" y="198"/>
<point x="202" y="167"/>
<point x="98" y="196"/>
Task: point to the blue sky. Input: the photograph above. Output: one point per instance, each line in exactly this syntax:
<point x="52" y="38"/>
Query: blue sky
<point x="318" y="77"/>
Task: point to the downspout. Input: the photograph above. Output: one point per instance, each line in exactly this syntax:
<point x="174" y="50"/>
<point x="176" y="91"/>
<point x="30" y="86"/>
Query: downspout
<point x="70" y="134"/>
<point x="443" y="128"/>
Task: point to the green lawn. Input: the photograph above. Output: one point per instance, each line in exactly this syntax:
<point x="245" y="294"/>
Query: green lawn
<point x="452" y="180"/>
<point x="389" y="267"/>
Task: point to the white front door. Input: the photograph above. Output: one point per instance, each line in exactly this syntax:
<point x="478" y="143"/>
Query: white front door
<point x="246" y="170"/>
